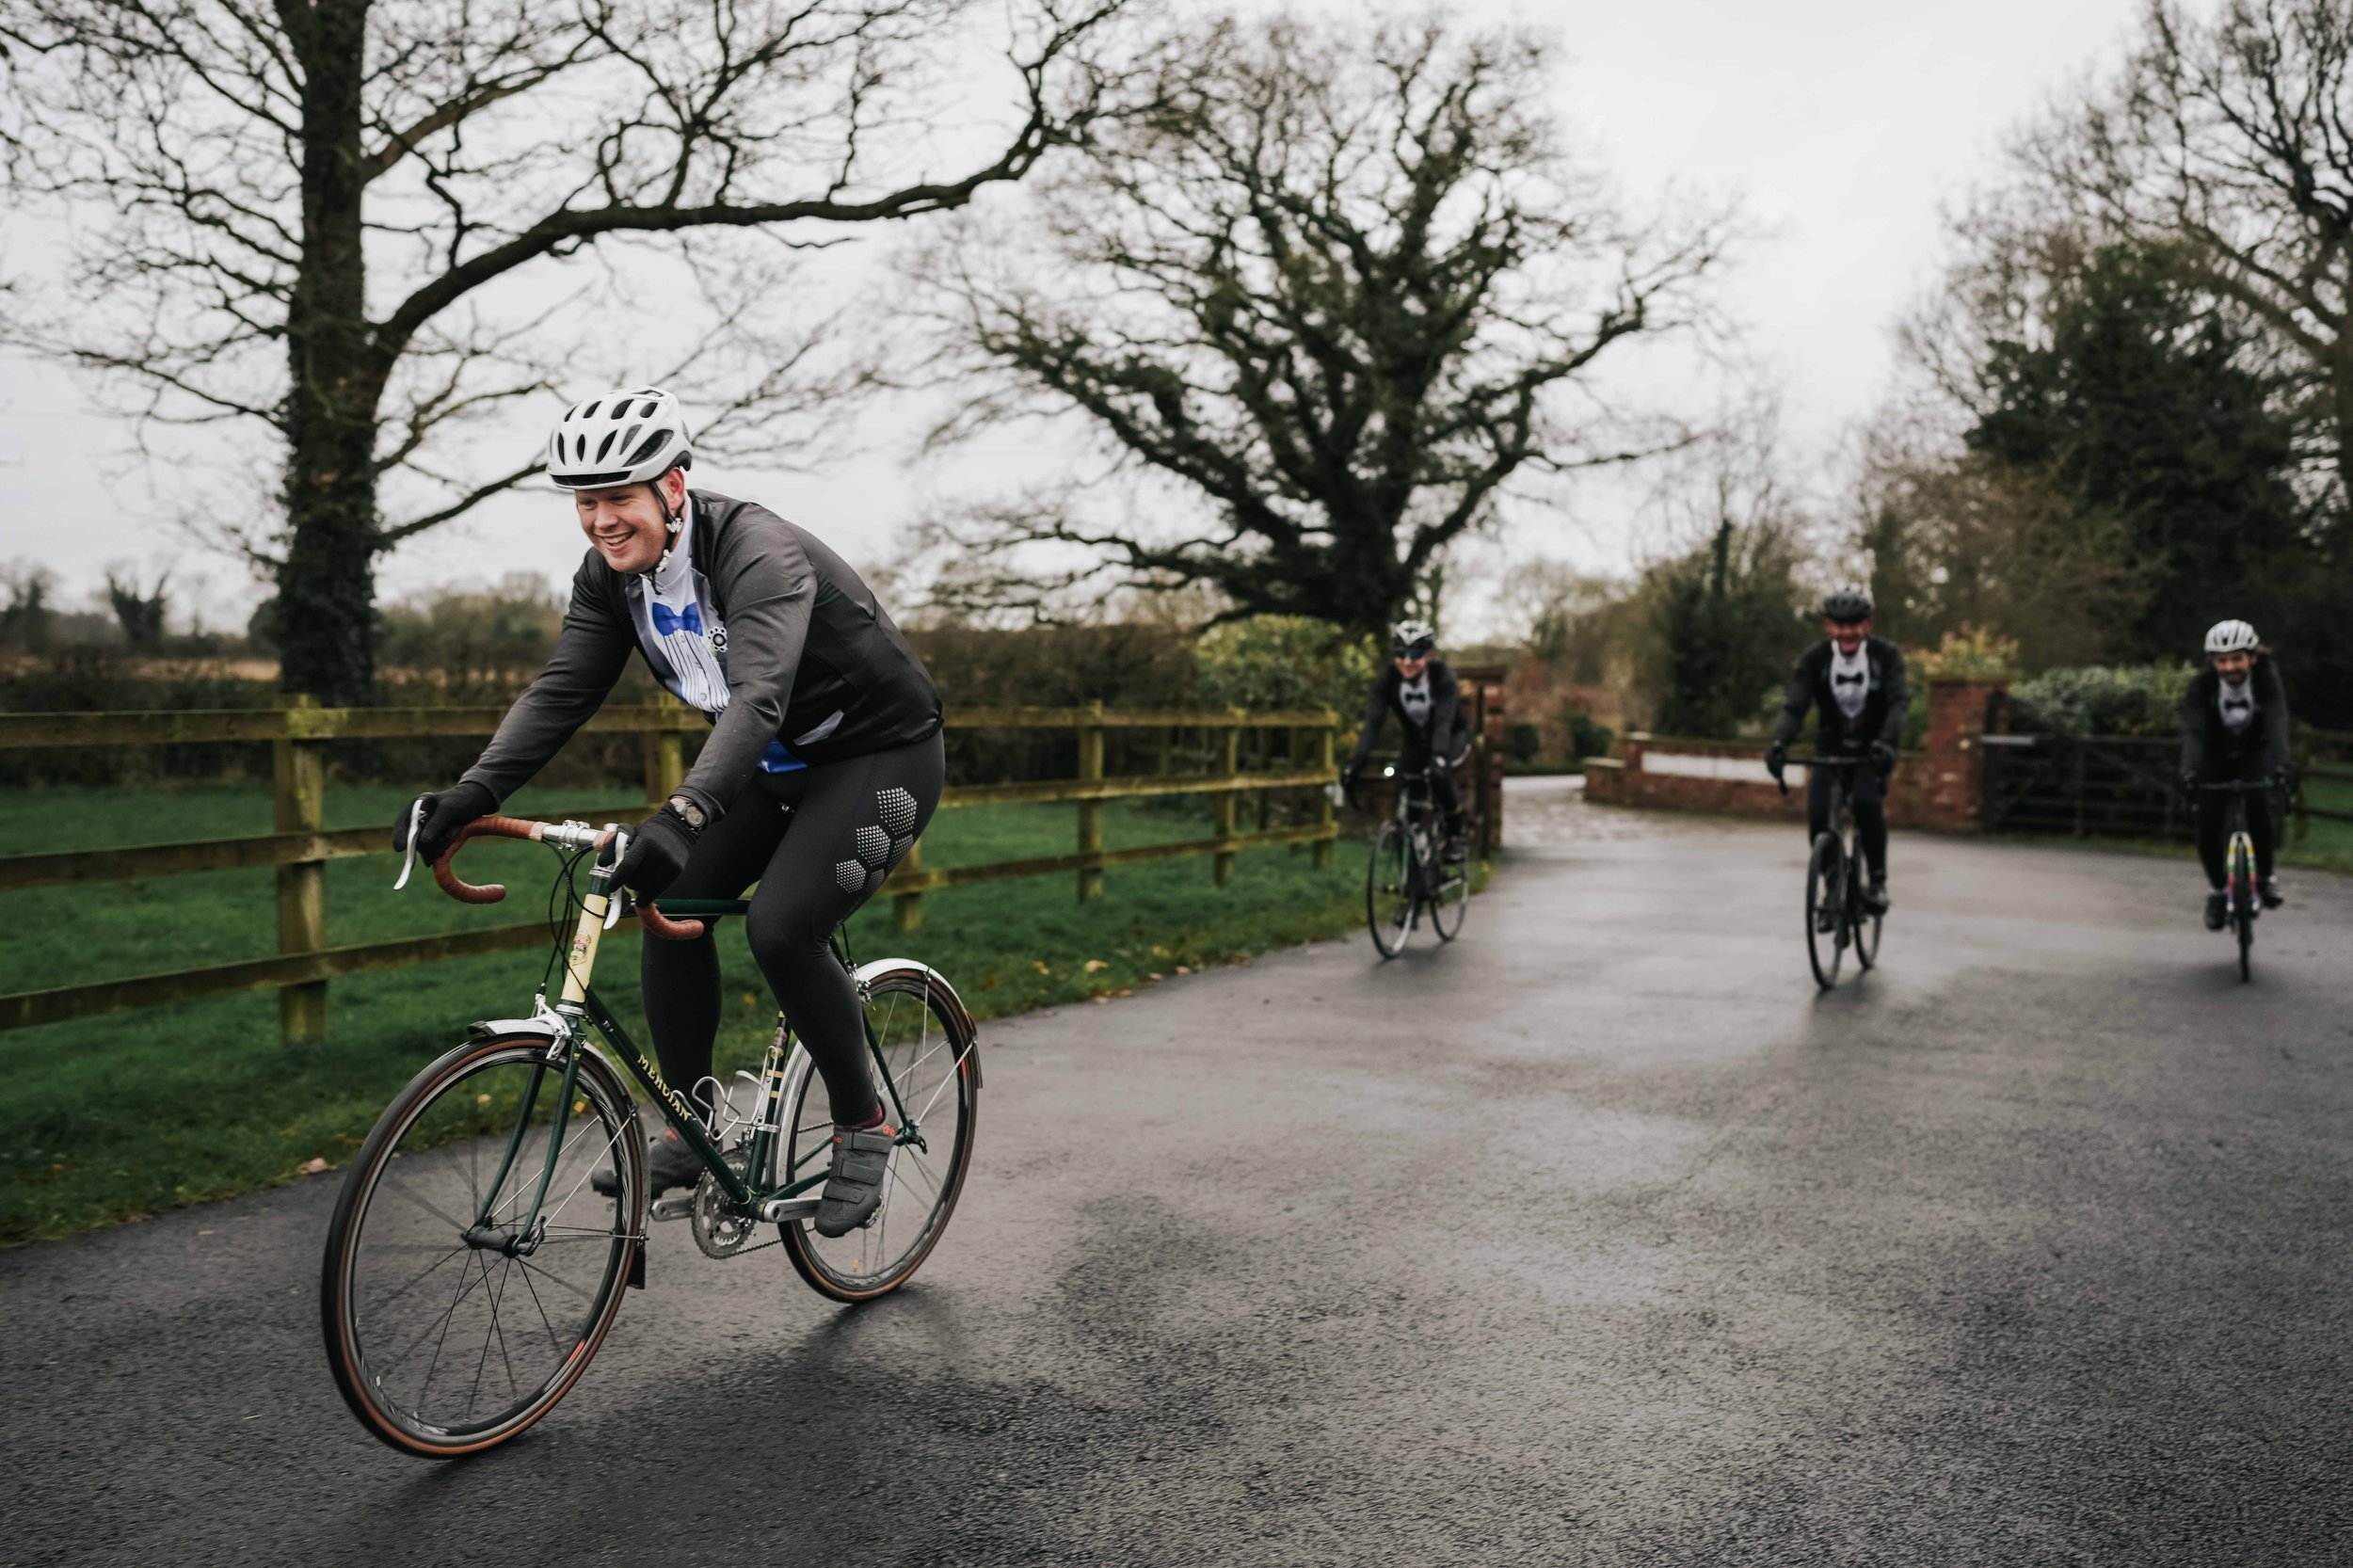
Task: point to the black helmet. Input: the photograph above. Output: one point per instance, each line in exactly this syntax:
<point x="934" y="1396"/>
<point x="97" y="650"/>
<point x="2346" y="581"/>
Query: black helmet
<point x="1849" y="601"/>
<point x="1410" y="638"/>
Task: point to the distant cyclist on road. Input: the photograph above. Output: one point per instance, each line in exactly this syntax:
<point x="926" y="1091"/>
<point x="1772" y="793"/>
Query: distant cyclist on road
<point x="2235" y="729"/>
<point x="823" y="763"/>
<point x="1856" y="683"/>
<point x="1428" y="701"/>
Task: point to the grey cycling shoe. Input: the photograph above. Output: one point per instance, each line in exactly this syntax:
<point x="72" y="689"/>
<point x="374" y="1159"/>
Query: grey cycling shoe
<point x="853" y="1188"/>
<point x="668" y="1163"/>
<point x="1875" y="900"/>
<point x="2267" y="891"/>
<point x="2218" y="908"/>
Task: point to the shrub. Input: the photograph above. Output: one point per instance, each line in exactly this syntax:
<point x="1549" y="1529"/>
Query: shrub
<point x="1523" y="742"/>
<point x="1587" y="738"/>
<point x="1273" y="663"/>
<point x="2096" y="699"/>
<point x="1975" y="653"/>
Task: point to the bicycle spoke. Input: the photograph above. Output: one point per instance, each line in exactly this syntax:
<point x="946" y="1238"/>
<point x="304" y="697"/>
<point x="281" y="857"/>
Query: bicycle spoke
<point x="386" y="1183"/>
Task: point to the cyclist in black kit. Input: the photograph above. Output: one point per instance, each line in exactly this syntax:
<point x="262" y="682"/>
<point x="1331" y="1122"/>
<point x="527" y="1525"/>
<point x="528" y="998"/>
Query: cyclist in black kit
<point x="2235" y="728"/>
<point x="1427" y="702"/>
<point x="1856" y="683"/>
<point x="823" y="763"/>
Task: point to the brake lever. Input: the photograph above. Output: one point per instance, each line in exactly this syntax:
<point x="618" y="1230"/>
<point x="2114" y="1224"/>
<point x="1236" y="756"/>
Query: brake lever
<point x="409" y="857"/>
<point x="620" y="895"/>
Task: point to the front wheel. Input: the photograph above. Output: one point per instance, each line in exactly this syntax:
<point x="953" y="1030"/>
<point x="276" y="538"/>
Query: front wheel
<point x="1389" y="890"/>
<point x="1825" y="898"/>
<point x="925" y="1069"/>
<point x="452" y="1325"/>
<point x="2243" y="920"/>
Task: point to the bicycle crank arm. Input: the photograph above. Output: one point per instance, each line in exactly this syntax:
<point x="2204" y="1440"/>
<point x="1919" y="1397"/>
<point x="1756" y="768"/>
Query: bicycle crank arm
<point x="680" y="1205"/>
<point x="777" y="1210"/>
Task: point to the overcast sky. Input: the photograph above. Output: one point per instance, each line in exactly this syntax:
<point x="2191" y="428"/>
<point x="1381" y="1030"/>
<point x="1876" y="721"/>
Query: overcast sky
<point x="1843" y="126"/>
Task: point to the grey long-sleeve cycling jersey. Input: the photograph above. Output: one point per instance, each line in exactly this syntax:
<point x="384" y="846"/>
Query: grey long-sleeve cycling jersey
<point x="809" y="659"/>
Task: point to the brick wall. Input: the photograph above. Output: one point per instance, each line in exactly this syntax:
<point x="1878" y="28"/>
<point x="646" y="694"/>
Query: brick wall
<point x="1940" y="788"/>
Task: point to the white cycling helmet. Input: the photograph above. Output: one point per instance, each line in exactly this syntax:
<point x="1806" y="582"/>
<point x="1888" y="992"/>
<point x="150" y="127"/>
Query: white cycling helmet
<point x="1410" y="638"/>
<point x="2230" y="636"/>
<point x="623" y="437"/>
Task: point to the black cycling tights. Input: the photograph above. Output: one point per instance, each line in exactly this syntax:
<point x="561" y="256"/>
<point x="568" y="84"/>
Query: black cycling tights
<point x="818" y="842"/>
<point x="1866" y="791"/>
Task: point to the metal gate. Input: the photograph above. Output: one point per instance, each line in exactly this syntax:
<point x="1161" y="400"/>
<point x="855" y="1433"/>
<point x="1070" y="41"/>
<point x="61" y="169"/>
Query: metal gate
<point x="2110" y="786"/>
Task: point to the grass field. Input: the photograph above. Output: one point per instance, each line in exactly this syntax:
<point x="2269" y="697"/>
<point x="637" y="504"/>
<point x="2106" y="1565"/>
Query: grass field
<point x="111" y="1117"/>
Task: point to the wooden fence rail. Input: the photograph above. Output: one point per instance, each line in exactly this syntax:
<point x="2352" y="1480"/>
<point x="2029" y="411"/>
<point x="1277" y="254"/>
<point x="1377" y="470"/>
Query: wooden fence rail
<point x="300" y="733"/>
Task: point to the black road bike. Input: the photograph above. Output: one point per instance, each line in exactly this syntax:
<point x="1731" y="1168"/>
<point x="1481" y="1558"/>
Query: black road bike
<point x="1409" y="874"/>
<point x="1836" y="917"/>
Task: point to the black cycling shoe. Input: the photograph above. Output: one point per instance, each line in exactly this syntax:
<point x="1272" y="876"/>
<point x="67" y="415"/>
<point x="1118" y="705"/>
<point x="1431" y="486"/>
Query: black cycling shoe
<point x="1874" y="899"/>
<point x="668" y="1163"/>
<point x="2267" y="891"/>
<point x="2217" y="906"/>
<point x="853" y="1188"/>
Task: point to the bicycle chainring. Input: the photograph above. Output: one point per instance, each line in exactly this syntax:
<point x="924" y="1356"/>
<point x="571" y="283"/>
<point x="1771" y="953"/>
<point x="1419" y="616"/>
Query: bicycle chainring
<point x="719" y="1232"/>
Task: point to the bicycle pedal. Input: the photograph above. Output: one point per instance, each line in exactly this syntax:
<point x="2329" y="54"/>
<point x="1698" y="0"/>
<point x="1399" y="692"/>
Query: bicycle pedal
<point x="678" y="1205"/>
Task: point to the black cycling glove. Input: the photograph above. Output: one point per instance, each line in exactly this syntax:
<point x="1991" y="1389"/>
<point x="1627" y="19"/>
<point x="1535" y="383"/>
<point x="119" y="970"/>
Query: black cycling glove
<point x="1776" y="758"/>
<point x="445" y="814"/>
<point x="1883" y="757"/>
<point x="658" y="848"/>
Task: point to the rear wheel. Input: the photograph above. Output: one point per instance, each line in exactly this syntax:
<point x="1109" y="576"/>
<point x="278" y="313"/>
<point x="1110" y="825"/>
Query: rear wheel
<point x="1825" y="897"/>
<point x="447" y="1338"/>
<point x="927" y="1041"/>
<point x="1389" y="890"/>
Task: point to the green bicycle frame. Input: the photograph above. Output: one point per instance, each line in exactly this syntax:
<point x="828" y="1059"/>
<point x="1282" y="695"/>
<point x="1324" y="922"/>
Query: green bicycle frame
<point x="675" y="1111"/>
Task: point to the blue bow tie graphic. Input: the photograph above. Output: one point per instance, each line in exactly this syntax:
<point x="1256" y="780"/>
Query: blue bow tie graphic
<point x="666" y="620"/>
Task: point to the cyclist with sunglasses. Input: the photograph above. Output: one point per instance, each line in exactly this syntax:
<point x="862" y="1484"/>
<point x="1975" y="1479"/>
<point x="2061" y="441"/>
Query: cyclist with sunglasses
<point x="1427" y="700"/>
<point x="1855" y="682"/>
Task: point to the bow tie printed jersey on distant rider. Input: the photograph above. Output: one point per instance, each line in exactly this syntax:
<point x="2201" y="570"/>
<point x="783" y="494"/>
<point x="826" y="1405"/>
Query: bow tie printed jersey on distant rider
<point x="1848" y="680"/>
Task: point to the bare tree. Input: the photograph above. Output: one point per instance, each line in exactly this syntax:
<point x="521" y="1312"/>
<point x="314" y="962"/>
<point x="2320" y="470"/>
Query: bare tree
<point x="1334" y="294"/>
<point x="333" y="219"/>
<point x="2235" y="134"/>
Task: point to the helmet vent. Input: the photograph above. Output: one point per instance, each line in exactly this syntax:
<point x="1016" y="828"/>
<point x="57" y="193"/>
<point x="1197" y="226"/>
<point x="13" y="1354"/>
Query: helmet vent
<point x="593" y="408"/>
<point x="605" y="445"/>
<point x="652" y="444"/>
<point x="580" y="448"/>
<point x="646" y="412"/>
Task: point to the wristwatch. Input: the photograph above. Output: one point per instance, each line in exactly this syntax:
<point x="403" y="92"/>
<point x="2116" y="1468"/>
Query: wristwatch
<point x="687" y="812"/>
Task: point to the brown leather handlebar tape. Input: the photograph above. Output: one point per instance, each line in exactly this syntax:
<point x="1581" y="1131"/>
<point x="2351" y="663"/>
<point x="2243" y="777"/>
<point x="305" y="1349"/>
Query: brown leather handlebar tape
<point x="481" y="828"/>
<point x="661" y="925"/>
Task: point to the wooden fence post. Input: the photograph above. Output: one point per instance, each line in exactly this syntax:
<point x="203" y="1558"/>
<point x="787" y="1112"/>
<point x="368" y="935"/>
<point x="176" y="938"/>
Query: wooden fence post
<point x="1091" y="811"/>
<point x="298" y="788"/>
<point x="907" y="909"/>
<point x="666" y="758"/>
<point x="1327" y="762"/>
<point x="1222" y="859"/>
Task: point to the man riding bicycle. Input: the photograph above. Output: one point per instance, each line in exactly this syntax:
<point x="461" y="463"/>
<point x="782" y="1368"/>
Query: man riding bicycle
<point x="2235" y="729"/>
<point x="1855" y="682"/>
<point x="1428" y="701"/>
<point x="824" y="759"/>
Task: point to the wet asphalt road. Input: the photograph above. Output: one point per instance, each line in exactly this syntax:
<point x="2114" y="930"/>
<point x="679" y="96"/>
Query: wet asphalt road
<point x="1597" y="1237"/>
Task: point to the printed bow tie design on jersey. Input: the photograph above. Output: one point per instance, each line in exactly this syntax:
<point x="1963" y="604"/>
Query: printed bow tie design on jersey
<point x="1848" y="680"/>
<point x="668" y="621"/>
